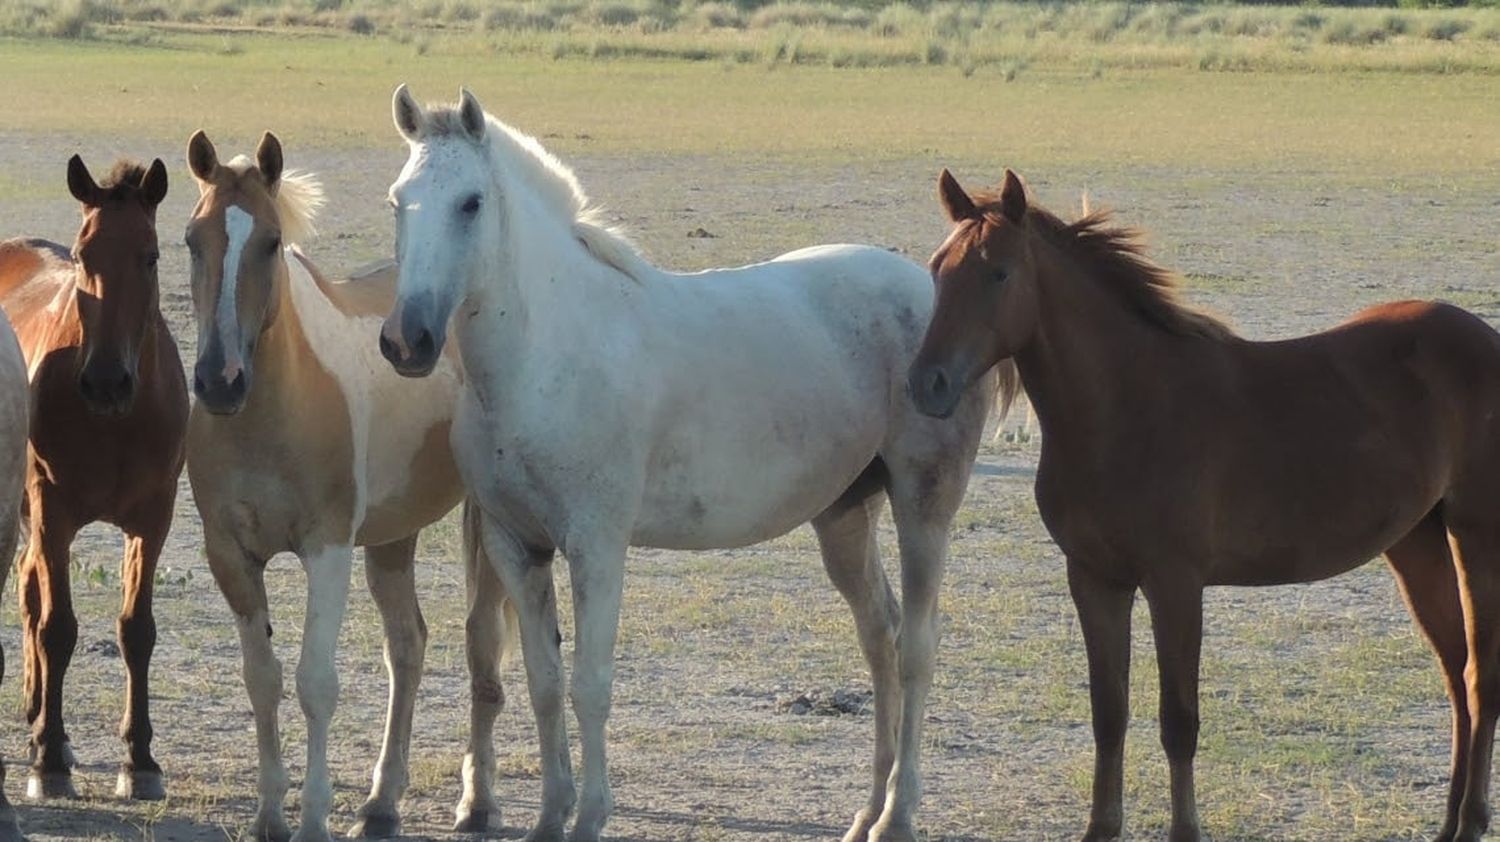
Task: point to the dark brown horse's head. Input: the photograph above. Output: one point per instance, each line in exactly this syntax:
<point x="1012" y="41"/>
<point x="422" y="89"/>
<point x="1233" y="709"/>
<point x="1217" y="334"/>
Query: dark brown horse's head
<point x="117" y="294"/>
<point x="986" y="305"/>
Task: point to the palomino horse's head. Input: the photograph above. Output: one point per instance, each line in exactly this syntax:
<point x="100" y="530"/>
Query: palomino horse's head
<point x="116" y="256"/>
<point x="986" y="307"/>
<point x="447" y="205"/>
<point x="234" y="242"/>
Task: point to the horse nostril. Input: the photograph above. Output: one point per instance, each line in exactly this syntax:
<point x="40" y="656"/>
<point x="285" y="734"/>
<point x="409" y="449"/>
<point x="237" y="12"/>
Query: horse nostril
<point x="198" y="386"/>
<point x="388" y="349"/>
<point x="237" y="386"/>
<point x="86" y="387"/>
<point x="424" y="345"/>
<point x="937" y="382"/>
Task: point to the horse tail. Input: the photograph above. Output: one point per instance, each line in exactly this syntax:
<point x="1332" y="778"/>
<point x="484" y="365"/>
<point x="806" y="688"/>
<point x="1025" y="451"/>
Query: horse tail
<point x="485" y="591"/>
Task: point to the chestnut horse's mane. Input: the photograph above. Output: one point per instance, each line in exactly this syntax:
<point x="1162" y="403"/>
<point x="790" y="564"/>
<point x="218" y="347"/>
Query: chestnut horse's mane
<point x="1117" y="254"/>
<point x="123" y="180"/>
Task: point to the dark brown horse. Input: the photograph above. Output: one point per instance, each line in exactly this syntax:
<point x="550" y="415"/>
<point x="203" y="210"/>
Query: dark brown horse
<point x="108" y="413"/>
<point x="1177" y="455"/>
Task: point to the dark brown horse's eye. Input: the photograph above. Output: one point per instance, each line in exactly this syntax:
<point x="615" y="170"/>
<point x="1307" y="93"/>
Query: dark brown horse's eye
<point x="1000" y="276"/>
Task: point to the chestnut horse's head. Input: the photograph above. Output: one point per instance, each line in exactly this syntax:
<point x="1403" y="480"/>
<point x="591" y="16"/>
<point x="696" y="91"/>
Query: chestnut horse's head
<point x="986" y="306"/>
<point x="117" y="294"/>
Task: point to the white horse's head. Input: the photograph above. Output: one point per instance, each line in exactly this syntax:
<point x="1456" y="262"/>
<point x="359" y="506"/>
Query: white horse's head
<point x="446" y="200"/>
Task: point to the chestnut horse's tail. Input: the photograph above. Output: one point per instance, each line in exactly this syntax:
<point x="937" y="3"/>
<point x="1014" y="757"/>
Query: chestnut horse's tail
<point x="484" y="584"/>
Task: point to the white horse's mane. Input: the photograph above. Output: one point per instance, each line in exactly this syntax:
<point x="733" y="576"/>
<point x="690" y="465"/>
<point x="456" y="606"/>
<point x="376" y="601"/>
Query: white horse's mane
<point x="298" y="197"/>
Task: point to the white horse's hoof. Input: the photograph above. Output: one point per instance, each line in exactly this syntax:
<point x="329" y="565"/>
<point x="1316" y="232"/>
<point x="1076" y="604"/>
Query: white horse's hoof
<point x="476" y="819"/>
<point x="860" y="830"/>
<point x="893" y="831"/>
<point x="45" y="785"/>
<point x="140" y="786"/>
<point x="307" y="833"/>
<point x="376" y="820"/>
<point x="545" y="832"/>
<point x="270" y="827"/>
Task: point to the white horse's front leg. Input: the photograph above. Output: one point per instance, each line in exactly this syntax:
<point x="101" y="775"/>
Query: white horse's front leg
<point x="317" y="680"/>
<point x="598" y="579"/>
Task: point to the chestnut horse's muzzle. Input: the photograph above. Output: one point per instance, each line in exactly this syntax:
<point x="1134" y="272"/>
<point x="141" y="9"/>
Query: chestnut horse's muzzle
<point x="107" y="386"/>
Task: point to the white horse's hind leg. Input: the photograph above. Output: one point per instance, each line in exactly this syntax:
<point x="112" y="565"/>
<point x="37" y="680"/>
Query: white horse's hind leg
<point x="392" y="578"/>
<point x="598" y="578"/>
<point x="485" y="638"/>
<point x="851" y="555"/>
<point x="318" y="681"/>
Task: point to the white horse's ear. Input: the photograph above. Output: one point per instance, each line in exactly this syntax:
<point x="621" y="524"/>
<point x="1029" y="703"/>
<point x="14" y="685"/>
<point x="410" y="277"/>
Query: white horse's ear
<point x="407" y="114"/>
<point x="472" y="115"/>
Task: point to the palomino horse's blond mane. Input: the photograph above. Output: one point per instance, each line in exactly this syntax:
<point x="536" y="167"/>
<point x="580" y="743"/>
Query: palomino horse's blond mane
<point x="298" y="197"/>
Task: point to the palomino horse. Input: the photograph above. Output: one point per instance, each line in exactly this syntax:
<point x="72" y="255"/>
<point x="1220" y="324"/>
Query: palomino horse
<point x="13" y="423"/>
<point x="302" y="440"/>
<point x="110" y="408"/>
<point x="609" y="404"/>
<point x="1177" y="455"/>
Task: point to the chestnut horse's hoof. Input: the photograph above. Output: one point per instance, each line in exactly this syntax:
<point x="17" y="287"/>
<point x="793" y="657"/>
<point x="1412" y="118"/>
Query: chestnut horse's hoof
<point x="45" y="785"/>
<point x="475" y="820"/>
<point x="140" y="785"/>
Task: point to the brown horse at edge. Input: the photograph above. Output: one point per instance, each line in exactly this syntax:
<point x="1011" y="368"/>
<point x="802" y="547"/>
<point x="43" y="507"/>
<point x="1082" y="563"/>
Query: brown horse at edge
<point x="108" y="415"/>
<point x="1177" y="455"/>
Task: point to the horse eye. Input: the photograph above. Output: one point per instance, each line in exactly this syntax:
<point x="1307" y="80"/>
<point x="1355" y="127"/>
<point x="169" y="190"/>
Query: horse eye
<point x="151" y="259"/>
<point x="1000" y="276"/>
<point x="272" y="246"/>
<point x="471" y="205"/>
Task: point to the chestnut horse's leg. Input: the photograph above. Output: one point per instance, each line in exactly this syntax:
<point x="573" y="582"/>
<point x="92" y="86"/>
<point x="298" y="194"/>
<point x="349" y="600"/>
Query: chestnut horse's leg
<point x="1177" y="627"/>
<point x="1104" y="614"/>
<point x="484" y="642"/>
<point x="392" y="580"/>
<point x="53" y="630"/>
<point x="1476" y="548"/>
<point x="1424" y="570"/>
<point x="851" y="555"/>
<point x="140" y="776"/>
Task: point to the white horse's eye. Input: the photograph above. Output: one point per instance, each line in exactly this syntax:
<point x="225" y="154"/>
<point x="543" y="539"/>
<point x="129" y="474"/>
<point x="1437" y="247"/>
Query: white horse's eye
<point x="471" y="204"/>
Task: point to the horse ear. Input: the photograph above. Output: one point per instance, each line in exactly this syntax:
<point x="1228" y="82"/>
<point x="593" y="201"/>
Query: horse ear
<point x="407" y="114"/>
<point x="1013" y="197"/>
<point x="154" y="183"/>
<point x="956" y="201"/>
<point x="471" y="114"/>
<point x="202" y="158"/>
<point x="268" y="159"/>
<point x="80" y="183"/>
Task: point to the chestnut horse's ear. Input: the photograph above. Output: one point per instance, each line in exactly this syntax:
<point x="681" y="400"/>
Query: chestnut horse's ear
<point x="80" y="183"/>
<point x="956" y="202"/>
<point x="154" y="184"/>
<point x="202" y="158"/>
<point x="1013" y="197"/>
<point x="407" y="114"/>
<point x="268" y="160"/>
<point x="471" y="114"/>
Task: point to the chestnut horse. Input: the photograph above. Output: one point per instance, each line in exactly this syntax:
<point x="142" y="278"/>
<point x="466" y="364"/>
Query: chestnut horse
<point x="1177" y="455"/>
<point x="302" y="440"/>
<point x="109" y="408"/>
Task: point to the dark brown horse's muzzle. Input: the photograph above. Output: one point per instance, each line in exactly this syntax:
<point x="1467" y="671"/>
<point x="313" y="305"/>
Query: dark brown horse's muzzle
<point x="107" y="386"/>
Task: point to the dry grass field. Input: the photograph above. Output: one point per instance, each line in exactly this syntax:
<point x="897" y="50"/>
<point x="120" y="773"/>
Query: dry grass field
<point x="1289" y="199"/>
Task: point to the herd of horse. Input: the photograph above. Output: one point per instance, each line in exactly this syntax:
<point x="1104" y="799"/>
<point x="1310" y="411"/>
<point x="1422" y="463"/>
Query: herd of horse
<point x="590" y="402"/>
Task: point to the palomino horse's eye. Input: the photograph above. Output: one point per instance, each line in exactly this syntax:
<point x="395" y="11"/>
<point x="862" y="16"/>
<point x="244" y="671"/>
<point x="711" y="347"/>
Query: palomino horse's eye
<point x="471" y="205"/>
<point x="272" y="246"/>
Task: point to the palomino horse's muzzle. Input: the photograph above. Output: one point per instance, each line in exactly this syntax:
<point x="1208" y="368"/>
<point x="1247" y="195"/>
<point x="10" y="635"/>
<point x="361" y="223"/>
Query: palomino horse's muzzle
<point x="408" y="339"/>
<point x="220" y="389"/>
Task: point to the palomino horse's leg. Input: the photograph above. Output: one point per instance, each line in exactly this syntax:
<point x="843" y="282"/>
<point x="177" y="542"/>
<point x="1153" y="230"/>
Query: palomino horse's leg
<point x="851" y="555"/>
<point x="1476" y="548"/>
<point x="598" y="576"/>
<point x="484" y="642"/>
<point x="317" y="679"/>
<point x="1104" y="614"/>
<point x="527" y="577"/>
<point x="1424" y="569"/>
<point x="242" y="580"/>
<point x="53" y="629"/>
<point x="140" y="776"/>
<point x="1177" y="626"/>
<point x="392" y="579"/>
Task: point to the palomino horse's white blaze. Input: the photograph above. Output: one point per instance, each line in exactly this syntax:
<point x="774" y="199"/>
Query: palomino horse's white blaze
<point x="609" y="403"/>
<point x="237" y="227"/>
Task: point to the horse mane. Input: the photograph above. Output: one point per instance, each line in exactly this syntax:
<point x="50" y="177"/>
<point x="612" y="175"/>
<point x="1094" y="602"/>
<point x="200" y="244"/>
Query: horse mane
<point x="298" y="197"/>
<point x="1117" y="254"/>
<point x="551" y="179"/>
<point x="123" y="181"/>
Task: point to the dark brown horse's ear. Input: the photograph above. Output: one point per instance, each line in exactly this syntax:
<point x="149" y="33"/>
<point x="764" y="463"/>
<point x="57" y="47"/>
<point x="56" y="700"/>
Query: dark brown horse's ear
<point x="154" y="184"/>
<point x="1013" y="197"/>
<point x="268" y="160"/>
<point x="956" y="201"/>
<point x="406" y="113"/>
<point x="80" y="183"/>
<point x="202" y="158"/>
<point x="471" y="114"/>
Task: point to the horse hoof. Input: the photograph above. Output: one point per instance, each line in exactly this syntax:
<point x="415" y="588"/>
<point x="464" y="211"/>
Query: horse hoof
<point x="270" y="827"/>
<point x="308" y="833"/>
<point x="45" y="785"/>
<point x="10" y="831"/>
<point x="547" y="832"/>
<point x="376" y="826"/>
<point x="892" y="832"/>
<point x="140" y="786"/>
<point x="860" y="830"/>
<point x="472" y="821"/>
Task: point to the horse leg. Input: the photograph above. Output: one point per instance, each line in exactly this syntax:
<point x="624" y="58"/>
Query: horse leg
<point x="527" y="577"/>
<point x="392" y="579"/>
<point x="485" y="638"/>
<point x="54" y="636"/>
<point x="242" y="581"/>
<point x="317" y="678"/>
<point x="1476" y="550"/>
<point x="1177" y="626"/>
<point x="851" y="556"/>
<point x="598" y="577"/>
<point x="140" y="777"/>
<point x="1425" y="573"/>
<point x="10" y="828"/>
<point x="1104" y="614"/>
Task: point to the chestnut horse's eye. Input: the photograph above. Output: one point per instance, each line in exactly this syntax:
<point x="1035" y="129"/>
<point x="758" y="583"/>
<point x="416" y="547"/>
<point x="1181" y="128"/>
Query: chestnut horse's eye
<point x="151" y="260"/>
<point x="1000" y="276"/>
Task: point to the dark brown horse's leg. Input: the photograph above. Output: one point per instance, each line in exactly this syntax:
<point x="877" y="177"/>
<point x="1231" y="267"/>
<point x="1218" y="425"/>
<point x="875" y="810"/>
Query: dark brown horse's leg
<point x="1476" y="548"/>
<point x="1177" y="626"/>
<point x="1104" y="613"/>
<point x="53" y="629"/>
<point x="1424" y="570"/>
<point x="140" y="776"/>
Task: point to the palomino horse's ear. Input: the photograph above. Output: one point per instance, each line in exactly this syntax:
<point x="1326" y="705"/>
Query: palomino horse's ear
<point x="956" y="201"/>
<point x="407" y="114"/>
<point x="80" y="183"/>
<point x="154" y="184"/>
<point x="202" y="158"/>
<point x="268" y="160"/>
<point x="1013" y="197"/>
<point x="471" y="114"/>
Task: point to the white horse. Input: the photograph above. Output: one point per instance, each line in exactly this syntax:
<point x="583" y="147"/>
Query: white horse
<point x="608" y="403"/>
<point x="14" y="402"/>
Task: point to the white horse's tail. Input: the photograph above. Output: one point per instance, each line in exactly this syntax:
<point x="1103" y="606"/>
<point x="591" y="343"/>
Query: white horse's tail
<point x="485" y="592"/>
